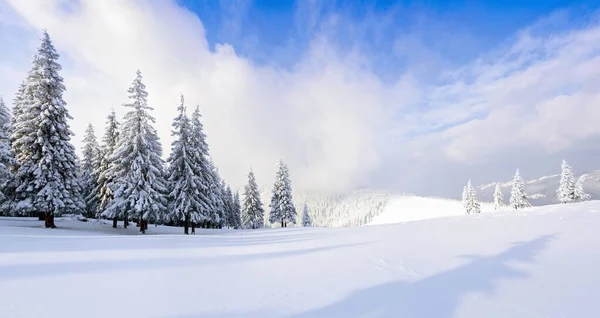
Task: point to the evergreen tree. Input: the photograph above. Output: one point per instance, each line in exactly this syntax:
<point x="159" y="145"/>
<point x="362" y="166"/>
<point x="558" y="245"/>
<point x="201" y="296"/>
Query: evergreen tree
<point x="102" y="172"/>
<point x="237" y="211"/>
<point x="282" y="207"/>
<point x="498" y="198"/>
<point x="518" y="197"/>
<point x="6" y="158"/>
<point x="137" y="175"/>
<point x="217" y="215"/>
<point x="201" y="159"/>
<point x="465" y="197"/>
<point x="184" y="174"/>
<point x="566" y="189"/>
<point x="90" y="163"/>
<point x="306" y="221"/>
<point x="229" y="207"/>
<point x="580" y="194"/>
<point x="10" y="200"/>
<point x="471" y="203"/>
<point x="252" y="208"/>
<point x="47" y="164"/>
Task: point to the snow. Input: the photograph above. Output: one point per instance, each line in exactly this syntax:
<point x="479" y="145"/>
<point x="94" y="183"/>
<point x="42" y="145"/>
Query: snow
<point x="533" y="262"/>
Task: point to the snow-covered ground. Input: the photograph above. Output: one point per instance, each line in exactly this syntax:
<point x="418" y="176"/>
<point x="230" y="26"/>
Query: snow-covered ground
<point x="405" y="208"/>
<point x="539" y="262"/>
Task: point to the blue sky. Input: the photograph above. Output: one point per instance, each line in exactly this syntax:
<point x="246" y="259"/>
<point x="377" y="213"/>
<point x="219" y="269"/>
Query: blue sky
<point x="412" y="96"/>
<point x="455" y="32"/>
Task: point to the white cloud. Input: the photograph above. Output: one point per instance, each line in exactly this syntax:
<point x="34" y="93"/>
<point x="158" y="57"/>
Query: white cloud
<point x="329" y="116"/>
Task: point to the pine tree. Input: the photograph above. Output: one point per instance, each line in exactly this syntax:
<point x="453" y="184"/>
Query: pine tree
<point x="229" y="208"/>
<point x="471" y="203"/>
<point x="465" y="197"/>
<point x="184" y="174"/>
<point x="252" y="208"/>
<point x="90" y="163"/>
<point x="580" y="194"/>
<point x="138" y="180"/>
<point x="498" y="198"/>
<point x="102" y="172"/>
<point x="518" y="197"/>
<point x="282" y="207"/>
<point x="237" y="211"/>
<point x="306" y="221"/>
<point x="217" y="215"/>
<point x="10" y="200"/>
<point x="6" y="158"/>
<point x="47" y="165"/>
<point x="566" y="189"/>
<point x="201" y="159"/>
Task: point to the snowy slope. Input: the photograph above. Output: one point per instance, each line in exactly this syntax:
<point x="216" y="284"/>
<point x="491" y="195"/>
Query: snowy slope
<point x="542" y="191"/>
<point x="403" y="208"/>
<point x="539" y="262"/>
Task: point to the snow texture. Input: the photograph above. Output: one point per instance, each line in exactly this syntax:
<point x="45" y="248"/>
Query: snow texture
<point x="430" y="268"/>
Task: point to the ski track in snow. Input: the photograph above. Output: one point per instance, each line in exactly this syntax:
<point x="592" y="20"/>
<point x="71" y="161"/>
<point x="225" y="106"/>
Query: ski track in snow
<point x="537" y="262"/>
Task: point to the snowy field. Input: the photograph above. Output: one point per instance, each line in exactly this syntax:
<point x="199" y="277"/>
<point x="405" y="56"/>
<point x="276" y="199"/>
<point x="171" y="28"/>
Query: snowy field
<point x="538" y="262"/>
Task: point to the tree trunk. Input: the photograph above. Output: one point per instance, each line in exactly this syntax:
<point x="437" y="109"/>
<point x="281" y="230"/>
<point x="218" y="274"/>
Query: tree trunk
<point x="49" y="220"/>
<point x="115" y="222"/>
<point x="126" y="221"/>
<point x="142" y="229"/>
<point x="282" y="223"/>
<point x="186" y="224"/>
<point x="194" y="228"/>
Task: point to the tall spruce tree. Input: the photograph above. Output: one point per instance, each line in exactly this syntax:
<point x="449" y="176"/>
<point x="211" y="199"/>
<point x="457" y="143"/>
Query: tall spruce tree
<point x="252" y="207"/>
<point x="184" y="174"/>
<point x="470" y="200"/>
<point x="47" y="164"/>
<point x="580" y="194"/>
<point x="10" y="200"/>
<point x="282" y="207"/>
<point x="102" y="173"/>
<point x="498" y="197"/>
<point x="518" y="197"/>
<point x="6" y="158"/>
<point x="89" y="164"/>
<point x="566" y="189"/>
<point x="201" y="159"/>
<point x="217" y="216"/>
<point x="138" y="176"/>
<point x="306" y="221"/>
<point x="229" y="207"/>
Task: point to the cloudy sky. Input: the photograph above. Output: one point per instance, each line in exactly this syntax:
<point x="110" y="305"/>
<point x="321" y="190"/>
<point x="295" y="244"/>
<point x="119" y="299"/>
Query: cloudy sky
<point x="413" y="96"/>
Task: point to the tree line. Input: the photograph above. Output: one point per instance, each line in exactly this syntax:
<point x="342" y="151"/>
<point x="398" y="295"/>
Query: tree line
<point x="568" y="191"/>
<point x="124" y="177"/>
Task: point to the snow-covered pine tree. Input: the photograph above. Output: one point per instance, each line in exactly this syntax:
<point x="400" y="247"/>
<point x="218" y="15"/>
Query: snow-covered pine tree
<point x="566" y="189"/>
<point x="90" y="163"/>
<point x="184" y="174"/>
<point x="518" y="197"/>
<point x="229" y="208"/>
<point x="252" y="207"/>
<point x="47" y="175"/>
<point x="6" y="158"/>
<point x="465" y="197"/>
<point x="201" y="159"/>
<point x="306" y="221"/>
<point x="217" y="215"/>
<point x="580" y="194"/>
<point x="237" y="211"/>
<point x="138" y="176"/>
<point x="282" y="207"/>
<point x="471" y="203"/>
<point x="102" y="173"/>
<point x="498" y="198"/>
<point x="10" y="200"/>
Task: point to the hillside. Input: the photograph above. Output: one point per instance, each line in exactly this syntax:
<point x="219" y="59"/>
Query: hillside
<point x="503" y="264"/>
<point x="542" y="191"/>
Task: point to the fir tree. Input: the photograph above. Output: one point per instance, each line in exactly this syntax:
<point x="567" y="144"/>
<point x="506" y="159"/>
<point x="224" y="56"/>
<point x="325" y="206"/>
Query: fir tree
<point x="102" y="172"/>
<point x="90" y="163"/>
<point x="282" y="207"/>
<point x="566" y="189"/>
<point x="518" y="197"/>
<point x="47" y="165"/>
<point x="471" y="203"/>
<point x="498" y="198"/>
<point x="237" y="211"/>
<point x="306" y="221"/>
<point x="580" y="194"/>
<point x="217" y="215"/>
<point x="138" y="180"/>
<point x="252" y="208"/>
<point x="6" y="158"/>
<point x="465" y="196"/>
<point x="229" y="208"/>
<point x="184" y="174"/>
<point x="201" y="159"/>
